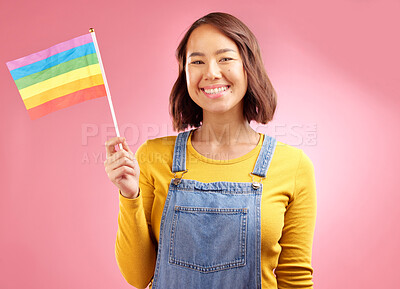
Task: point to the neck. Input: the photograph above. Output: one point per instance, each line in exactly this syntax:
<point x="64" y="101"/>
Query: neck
<point x="225" y="130"/>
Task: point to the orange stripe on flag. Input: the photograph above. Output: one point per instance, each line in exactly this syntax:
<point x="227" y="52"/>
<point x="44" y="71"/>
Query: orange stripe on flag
<point x="67" y="100"/>
<point x="63" y="90"/>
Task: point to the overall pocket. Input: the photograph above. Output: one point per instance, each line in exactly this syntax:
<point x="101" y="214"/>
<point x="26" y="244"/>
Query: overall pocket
<point x="208" y="239"/>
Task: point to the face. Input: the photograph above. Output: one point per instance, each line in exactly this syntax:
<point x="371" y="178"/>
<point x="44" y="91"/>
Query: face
<point x="216" y="78"/>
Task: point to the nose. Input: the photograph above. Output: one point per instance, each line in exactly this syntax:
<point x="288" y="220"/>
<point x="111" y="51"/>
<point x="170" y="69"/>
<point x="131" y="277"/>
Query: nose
<point x="213" y="71"/>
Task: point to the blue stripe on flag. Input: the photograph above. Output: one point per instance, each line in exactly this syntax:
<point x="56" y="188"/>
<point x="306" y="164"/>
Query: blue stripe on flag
<point x="53" y="60"/>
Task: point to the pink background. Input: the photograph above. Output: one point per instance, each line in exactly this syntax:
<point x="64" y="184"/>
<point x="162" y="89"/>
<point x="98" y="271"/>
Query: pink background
<point x="334" y="65"/>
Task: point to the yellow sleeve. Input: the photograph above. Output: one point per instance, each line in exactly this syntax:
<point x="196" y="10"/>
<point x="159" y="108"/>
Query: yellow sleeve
<point x="134" y="248"/>
<point x="294" y="266"/>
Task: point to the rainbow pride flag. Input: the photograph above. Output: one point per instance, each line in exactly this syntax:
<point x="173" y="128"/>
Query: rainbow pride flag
<point x="60" y="76"/>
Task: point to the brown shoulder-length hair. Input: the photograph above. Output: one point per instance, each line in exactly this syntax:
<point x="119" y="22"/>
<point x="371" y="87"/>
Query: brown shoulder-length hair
<point x="260" y="98"/>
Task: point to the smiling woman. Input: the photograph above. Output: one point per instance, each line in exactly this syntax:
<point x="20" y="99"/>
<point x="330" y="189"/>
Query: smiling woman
<point x="196" y="210"/>
<point x="241" y="47"/>
<point x="215" y="76"/>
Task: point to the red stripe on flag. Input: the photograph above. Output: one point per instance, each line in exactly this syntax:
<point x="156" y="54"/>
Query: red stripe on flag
<point x="67" y="100"/>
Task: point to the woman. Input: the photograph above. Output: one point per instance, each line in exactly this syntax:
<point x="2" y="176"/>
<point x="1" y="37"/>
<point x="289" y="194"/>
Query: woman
<point x="219" y="206"/>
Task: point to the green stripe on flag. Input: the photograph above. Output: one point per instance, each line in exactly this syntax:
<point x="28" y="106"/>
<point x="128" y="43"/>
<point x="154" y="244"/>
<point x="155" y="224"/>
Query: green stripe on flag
<point x="56" y="70"/>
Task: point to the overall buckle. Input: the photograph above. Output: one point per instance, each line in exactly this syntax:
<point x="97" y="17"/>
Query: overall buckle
<point x="177" y="180"/>
<point x="255" y="185"/>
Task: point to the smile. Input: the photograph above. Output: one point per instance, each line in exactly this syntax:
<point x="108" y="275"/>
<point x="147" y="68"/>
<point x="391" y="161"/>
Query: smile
<point x="215" y="90"/>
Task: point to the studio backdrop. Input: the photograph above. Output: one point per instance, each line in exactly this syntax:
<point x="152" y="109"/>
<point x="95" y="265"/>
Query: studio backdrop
<point x="334" y="65"/>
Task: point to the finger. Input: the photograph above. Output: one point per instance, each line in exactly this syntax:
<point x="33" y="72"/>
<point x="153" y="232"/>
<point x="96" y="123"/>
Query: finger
<point x="126" y="147"/>
<point x="121" y="154"/>
<point x="111" y="143"/>
<point x="121" y="162"/>
<point x="120" y="172"/>
<point x="114" y="159"/>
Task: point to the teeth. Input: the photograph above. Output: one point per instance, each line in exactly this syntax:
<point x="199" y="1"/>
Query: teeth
<point x="216" y="90"/>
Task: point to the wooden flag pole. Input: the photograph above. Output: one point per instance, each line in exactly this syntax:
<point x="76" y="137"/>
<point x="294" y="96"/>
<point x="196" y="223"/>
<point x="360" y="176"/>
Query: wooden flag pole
<point x="91" y="30"/>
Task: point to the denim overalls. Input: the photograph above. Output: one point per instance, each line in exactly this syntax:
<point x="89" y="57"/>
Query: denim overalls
<point x="210" y="233"/>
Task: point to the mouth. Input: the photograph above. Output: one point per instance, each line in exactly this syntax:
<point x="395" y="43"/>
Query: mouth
<point x="215" y="91"/>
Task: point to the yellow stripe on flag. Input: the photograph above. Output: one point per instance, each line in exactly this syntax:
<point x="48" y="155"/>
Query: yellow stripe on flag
<point x="62" y="90"/>
<point x="60" y="80"/>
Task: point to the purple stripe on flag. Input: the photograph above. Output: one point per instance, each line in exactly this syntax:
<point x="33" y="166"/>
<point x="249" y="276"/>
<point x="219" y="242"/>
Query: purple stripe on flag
<point x="84" y="39"/>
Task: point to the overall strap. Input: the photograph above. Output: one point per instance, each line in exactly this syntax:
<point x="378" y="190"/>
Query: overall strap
<point x="179" y="159"/>
<point x="265" y="156"/>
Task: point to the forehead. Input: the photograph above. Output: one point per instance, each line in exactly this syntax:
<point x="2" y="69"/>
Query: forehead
<point x="208" y="39"/>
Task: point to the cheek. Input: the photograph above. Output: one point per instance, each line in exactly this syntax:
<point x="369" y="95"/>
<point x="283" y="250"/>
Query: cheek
<point x="193" y="80"/>
<point x="236" y="73"/>
<point x="238" y="78"/>
<point x="190" y="78"/>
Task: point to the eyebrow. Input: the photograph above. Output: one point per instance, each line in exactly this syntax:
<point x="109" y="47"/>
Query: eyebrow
<point x="219" y="51"/>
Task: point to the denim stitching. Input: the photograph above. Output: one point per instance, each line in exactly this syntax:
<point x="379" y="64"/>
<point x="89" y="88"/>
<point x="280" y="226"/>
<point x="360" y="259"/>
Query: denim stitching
<point x="162" y="224"/>
<point x="241" y="212"/>
<point x="179" y="157"/>
<point x="217" y="187"/>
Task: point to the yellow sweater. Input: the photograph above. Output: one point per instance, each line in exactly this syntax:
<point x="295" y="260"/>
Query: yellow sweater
<point x="288" y="210"/>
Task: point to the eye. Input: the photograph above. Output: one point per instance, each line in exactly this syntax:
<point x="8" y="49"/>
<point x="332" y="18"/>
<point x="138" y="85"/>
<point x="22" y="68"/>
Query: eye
<point x="225" y="59"/>
<point x="196" y="62"/>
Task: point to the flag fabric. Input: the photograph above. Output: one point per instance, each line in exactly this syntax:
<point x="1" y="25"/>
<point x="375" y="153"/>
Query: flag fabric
<point x="60" y="76"/>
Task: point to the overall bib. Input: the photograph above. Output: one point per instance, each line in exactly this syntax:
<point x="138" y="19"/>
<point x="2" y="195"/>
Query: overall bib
<point x="210" y="233"/>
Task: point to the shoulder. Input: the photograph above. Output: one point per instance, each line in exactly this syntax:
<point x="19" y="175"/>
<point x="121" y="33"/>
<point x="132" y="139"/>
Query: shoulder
<point x="161" y="143"/>
<point x="290" y="157"/>
<point x="291" y="164"/>
<point x="155" y="150"/>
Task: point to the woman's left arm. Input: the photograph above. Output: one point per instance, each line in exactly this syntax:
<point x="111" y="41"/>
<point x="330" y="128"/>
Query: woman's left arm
<point x="294" y="268"/>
